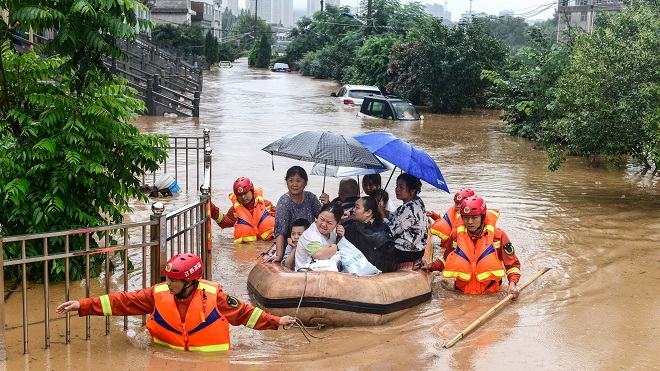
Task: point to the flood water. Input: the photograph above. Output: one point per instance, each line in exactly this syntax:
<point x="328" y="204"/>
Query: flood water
<point x="597" y="228"/>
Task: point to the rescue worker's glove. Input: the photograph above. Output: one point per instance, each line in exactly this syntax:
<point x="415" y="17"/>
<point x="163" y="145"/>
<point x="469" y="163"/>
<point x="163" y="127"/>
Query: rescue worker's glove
<point x="216" y="214"/>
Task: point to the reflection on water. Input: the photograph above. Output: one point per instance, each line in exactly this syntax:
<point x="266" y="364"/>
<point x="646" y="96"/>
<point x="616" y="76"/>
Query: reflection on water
<point x="597" y="228"/>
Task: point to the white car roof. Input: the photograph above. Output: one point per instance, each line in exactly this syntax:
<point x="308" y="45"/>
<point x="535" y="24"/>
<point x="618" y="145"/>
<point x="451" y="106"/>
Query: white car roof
<point x="361" y="87"/>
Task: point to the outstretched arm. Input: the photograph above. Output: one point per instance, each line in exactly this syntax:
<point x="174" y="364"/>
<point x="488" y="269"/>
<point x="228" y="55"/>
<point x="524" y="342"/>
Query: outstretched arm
<point x="69" y="306"/>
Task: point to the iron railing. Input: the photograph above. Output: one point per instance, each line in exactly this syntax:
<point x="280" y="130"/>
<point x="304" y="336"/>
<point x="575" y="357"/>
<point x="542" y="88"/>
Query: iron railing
<point x="147" y="245"/>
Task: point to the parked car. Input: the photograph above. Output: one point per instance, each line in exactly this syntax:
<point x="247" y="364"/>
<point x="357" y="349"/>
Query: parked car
<point x="225" y="64"/>
<point x="280" y="67"/>
<point x="388" y="107"/>
<point x="354" y="94"/>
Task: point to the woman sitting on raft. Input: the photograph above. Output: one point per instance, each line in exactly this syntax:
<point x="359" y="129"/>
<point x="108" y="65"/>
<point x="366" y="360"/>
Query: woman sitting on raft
<point x="295" y="204"/>
<point x="319" y="241"/>
<point x="368" y="233"/>
<point x="409" y="225"/>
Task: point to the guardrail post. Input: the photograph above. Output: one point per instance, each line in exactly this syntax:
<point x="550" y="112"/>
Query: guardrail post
<point x="205" y="200"/>
<point x="158" y="252"/>
<point x="195" y="111"/>
<point x="3" y="335"/>
<point x="149" y="98"/>
<point x="113" y="66"/>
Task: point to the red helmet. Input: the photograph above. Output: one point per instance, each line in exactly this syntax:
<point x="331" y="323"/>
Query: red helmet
<point x="184" y="266"/>
<point x="243" y="185"/>
<point x="463" y="194"/>
<point x="473" y="205"/>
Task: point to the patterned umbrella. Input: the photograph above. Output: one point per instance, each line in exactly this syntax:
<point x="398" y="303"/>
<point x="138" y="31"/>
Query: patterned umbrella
<point x="324" y="147"/>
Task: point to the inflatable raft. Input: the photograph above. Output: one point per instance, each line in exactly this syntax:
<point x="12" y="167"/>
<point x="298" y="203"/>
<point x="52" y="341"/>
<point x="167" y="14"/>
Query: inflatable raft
<point x="337" y="299"/>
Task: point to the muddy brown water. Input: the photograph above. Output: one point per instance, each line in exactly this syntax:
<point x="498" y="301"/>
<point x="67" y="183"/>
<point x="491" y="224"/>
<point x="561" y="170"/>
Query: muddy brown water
<point x="597" y="228"/>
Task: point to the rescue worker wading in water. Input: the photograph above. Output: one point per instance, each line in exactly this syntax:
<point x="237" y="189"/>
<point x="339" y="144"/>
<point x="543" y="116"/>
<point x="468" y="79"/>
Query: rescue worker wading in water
<point x="479" y="254"/>
<point x="251" y="215"/>
<point x="443" y="226"/>
<point x="187" y="313"/>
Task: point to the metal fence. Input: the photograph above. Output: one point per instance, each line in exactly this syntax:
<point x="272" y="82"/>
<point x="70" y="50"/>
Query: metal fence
<point x="145" y="246"/>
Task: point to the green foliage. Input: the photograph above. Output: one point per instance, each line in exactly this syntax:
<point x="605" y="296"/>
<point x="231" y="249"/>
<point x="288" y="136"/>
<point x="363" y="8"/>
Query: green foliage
<point x="189" y="39"/>
<point x="329" y="62"/>
<point x="69" y="156"/>
<point x="512" y="31"/>
<point x="211" y="48"/>
<point x="87" y="31"/>
<point x="371" y="61"/>
<point x="244" y="29"/>
<point x="229" y="52"/>
<point x="261" y="52"/>
<point x="526" y="90"/>
<point x="607" y="100"/>
<point x="440" y="66"/>
<point x="326" y="28"/>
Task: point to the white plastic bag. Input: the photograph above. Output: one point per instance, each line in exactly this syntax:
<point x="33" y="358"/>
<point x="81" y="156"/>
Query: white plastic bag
<point x="323" y="265"/>
<point x="354" y="261"/>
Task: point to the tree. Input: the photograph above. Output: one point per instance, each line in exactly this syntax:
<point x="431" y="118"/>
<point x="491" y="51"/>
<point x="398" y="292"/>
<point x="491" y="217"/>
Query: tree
<point x="69" y="157"/>
<point x="512" y="31"/>
<point x="228" y="51"/>
<point x="211" y="48"/>
<point x="371" y="61"/>
<point x="441" y="66"/>
<point x="260" y="54"/>
<point x="606" y="101"/>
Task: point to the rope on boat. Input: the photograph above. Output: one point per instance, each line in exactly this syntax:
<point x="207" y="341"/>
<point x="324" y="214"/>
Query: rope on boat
<point x="299" y="323"/>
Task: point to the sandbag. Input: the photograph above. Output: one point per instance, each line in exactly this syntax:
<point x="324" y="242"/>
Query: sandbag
<point x="353" y="260"/>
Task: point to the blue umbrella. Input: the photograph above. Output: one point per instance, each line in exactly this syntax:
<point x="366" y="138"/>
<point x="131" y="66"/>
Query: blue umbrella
<point x="405" y="156"/>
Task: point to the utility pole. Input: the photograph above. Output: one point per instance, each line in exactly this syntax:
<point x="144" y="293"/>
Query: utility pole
<point x="254" y="28"/>
<point x="321" y="6"/>
<point x="369" y="20"/>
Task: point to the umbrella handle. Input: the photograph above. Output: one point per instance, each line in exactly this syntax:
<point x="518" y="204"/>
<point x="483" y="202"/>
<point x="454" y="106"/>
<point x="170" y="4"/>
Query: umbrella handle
<point x="325" y="168"/>
<point x="390" y="178"/>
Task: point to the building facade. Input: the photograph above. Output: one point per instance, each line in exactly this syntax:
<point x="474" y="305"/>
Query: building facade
<point x="580" y="14"/>
<point x="276" y="12"/>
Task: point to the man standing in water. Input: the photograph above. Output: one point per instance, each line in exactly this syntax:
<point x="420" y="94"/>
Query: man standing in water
<point x="479" y="254"/>
<point x="187" y="312"/>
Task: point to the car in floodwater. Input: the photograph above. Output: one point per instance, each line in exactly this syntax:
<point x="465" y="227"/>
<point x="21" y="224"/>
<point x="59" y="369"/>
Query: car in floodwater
<point x="388" y="107"/>
<point x="225" y="64"/>
<point x="353" y="95"/>
<point x="280" y="67"/>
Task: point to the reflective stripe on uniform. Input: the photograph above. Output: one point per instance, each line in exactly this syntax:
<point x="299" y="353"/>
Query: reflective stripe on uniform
<point x="484" y="275"/>
<point x="208" y="288"/>
<point x="161" y="287"/>
<point x="452" y="274"/>
<point x="210" y="348"/>
<point x="439" y="234"/>
<point x="167" y="344"/>
<point x="245" y="239"/>
<point x="490" y="227"/>
<point x="513" y="270"/>
<point x="266" y="234"/>
<point x="105" y="304"/>
<point x="254" y="318"/>
<point x="497" y="244"/>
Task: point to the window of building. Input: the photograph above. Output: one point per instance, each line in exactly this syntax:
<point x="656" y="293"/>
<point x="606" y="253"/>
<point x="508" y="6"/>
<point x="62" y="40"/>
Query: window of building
<point x="599" y="1"/>
<point x="583" y="16"/>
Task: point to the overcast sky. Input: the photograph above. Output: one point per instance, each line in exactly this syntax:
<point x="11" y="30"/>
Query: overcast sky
<point x="524" y="8"/>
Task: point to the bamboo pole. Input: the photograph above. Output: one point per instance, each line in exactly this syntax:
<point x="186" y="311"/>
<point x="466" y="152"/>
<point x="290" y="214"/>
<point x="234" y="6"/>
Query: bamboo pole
<point x="492" y="310"/>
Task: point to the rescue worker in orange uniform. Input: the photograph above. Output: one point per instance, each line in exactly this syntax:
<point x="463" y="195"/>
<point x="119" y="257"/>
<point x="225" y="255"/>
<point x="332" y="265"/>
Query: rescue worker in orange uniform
<point x="252" y="216"/>
<point x="187" y="312"/>
<point x="479" y="254"/>
<point x="443" y="226"/>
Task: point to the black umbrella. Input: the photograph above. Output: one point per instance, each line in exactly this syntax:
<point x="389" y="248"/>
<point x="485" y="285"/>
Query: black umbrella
<point x="324" y="147"/>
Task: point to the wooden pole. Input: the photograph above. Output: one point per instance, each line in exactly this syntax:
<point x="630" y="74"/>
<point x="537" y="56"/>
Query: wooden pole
<point x="492" y="310"/>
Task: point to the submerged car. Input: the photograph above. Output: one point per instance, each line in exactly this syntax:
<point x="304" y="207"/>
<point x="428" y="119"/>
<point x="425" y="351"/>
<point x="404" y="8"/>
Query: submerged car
<point x="353" y="95"/>
<point x="225" y="64"/>
<point x="388" y="107"/>
<point x="280" y="67"/>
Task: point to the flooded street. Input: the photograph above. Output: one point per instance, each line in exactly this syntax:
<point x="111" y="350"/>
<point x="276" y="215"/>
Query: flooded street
<point x="598" y="229"/>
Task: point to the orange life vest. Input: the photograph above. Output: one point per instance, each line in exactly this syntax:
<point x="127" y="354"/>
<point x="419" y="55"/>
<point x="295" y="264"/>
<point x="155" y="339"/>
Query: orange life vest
<point x="250" y="225"/>
<point x="205" y="329"/>
<point x="475" y="264"/>
<point x="444" y="226"/>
